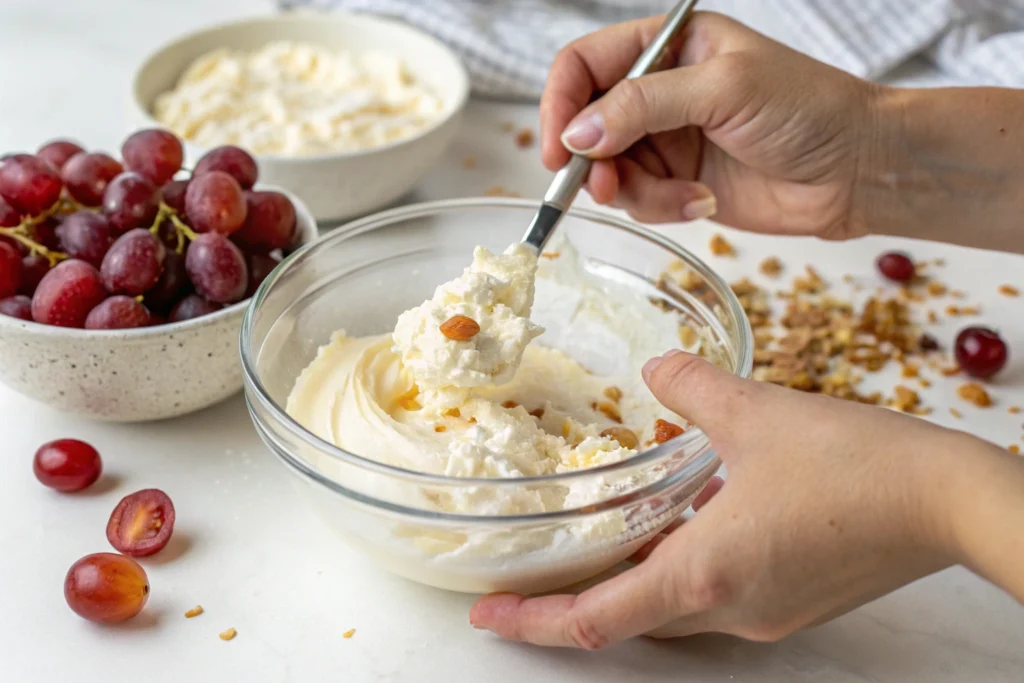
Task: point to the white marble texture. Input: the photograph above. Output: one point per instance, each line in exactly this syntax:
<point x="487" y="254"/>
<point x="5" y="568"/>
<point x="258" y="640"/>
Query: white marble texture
<point x="250" y="553"/>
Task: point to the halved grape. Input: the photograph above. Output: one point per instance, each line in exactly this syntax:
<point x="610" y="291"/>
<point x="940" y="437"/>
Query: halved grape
<point x="85" y="235"/>
<point x="106" y="587"/>
<point x="117" y="313"/>
<point x="214" y="203"/>
<point x="172" y="283"/>
<point x="29" y="184"/>
<point x="192" y="306"/>
<point x="57" y="152"/>
<point x="130" y="201"/>
<point x="260" y="266"/>
<point x="174" y="195"/>
<point x="33" y="269"/>
<point x="10" y="270"/>
<point x="17" y="306"/>
<point x="86" y="175"/>
<point x="217" y="268"/>
<point x="67" y="293"/>
<point x="269" y="222"/>
<point x="234" y="161"/>
<point x="134" y="263"/>
<point x="155" y="154"/>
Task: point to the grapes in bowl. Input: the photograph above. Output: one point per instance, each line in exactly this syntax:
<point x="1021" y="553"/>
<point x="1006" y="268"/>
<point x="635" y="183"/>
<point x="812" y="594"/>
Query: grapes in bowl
<point x="123" y="281"/>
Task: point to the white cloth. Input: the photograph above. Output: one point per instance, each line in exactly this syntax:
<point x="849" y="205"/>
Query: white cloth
<point x="508" y="45"/>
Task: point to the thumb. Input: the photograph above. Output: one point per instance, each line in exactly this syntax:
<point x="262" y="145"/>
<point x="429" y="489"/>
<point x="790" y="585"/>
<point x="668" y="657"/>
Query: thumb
<point x="633" y="108"/>
<point x="637" y="601"/>
<point x="704" y="394"/>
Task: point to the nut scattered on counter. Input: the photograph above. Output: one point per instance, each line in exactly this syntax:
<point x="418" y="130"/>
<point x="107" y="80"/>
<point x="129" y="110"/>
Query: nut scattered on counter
<point x="499" y="191"/>
<point x="349" y="633"/>
<point x="719" y="246"/>
<point x="468" y="162"/>
<point x="228" y="634"/>
<point x="194" y="612"/>
<point x="771" y="266"/>
<point x="1009" y="290"/>
<point x="955" y="413"/>
<point x="974" y="393"/>
<point x="1013" y="410"/>
<point x="524" y="138"/>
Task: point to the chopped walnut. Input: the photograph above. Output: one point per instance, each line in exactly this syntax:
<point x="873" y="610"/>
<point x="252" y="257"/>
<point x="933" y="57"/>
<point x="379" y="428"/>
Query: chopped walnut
<point x="687" y="335"/>
<point x="1013" y="410"/>
<point x="955" y="413"/>
<point x="524" y="138"/>
<point x="453" y="412"/>
<point x="349" y="633"/>
<point x="1013" y="448"/>
<point x="194" y="612"/>
<point x="538" y="413"/>
<point x="609" y="411"/>
<point x="910" y="371"/>
<point x="613" y="393"/>
<point x="771" y="266"/>
<point x="509" y="405"/>
<point x="936" y="288"/>
<point x="932" y="317"/>
<point x="720" y="246"/>
<point x="551" y="255"/>
<point x="905" y="400"/>
<point x="440" y="428"/>
<point x="664" y="431"/>
<point x="228" y="634"/>
<point x="1009" y="290"/>
<point x="975" y="393"/>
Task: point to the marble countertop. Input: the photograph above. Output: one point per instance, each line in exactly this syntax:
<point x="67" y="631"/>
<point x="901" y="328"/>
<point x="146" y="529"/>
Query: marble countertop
<point x="249" y="551"/>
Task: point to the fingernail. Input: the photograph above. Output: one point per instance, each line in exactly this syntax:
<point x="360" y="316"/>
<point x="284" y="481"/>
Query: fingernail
<point x="583" y="133"/>
<point x="650" y="366"/>
<point x="705" y="207"/>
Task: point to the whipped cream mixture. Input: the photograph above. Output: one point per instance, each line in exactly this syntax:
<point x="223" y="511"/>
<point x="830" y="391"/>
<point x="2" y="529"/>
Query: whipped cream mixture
<point x="297" y="99"/>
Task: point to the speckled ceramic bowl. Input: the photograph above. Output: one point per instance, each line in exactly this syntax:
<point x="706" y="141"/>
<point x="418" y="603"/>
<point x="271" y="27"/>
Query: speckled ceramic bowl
<point x="131" y="375"/>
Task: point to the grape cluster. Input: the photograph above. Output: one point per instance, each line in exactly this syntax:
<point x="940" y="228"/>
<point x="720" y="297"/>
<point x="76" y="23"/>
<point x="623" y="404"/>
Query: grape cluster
<point x="91" y="242"/>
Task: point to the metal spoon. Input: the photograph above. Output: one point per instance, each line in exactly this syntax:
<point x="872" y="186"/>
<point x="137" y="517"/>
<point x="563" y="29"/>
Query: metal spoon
<point x="570" y="178"/>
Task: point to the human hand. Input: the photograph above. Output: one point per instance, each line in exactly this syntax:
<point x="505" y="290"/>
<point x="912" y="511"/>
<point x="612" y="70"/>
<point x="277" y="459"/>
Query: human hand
<point x="771" y="138"/>
<point x="828" y="505"/>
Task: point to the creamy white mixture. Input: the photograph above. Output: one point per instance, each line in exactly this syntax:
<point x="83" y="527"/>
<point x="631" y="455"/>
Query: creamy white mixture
<point x="497" y="406"/>
<point x="297" y="99"/>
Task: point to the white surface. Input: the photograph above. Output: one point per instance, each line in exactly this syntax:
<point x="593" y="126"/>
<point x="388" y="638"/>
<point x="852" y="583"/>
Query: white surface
<point x="256" y="560"/>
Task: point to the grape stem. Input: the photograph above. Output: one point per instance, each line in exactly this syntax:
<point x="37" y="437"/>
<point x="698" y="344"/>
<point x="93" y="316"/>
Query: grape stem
<point x="21" y="234"/>
<point x="182" y="231"/>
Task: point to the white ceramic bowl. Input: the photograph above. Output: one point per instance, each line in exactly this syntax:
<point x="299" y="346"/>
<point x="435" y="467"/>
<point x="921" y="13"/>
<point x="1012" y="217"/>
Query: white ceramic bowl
<point x="132" y="375"/>
<point x="337" y="185"/>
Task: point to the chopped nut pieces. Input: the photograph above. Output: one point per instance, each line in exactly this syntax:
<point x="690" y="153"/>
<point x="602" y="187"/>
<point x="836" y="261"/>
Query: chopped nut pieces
<point x="509" y="404"/>
<point x="551" y="255"/>
<point x="349" y="633"/>
<point x="1009" y="290"/>
<point x="468" y="162"/>
<point x="460" y="328"/>
<point x="440" y="428"/>
<point x="1013" y="410"/>
<point x="975" y="393"/>
<point x="194" y="612"/>
<point x="687" y="335"/>
<point x="609" y="411"/>
<point x="1013" y="448"/>
<point x="955" y="413"/>
<point x="499" y="191"/>
<point x="228" y="635"/>
<point x="613" y="393"/>
<point x="663" y="431"/>
<point x="936" y="288"/>
<point x="720" y="247"/>
<point x="905" y="400"/>
<point x="539" y="413"/>
<point x="625" y="437"/>
<point x="524" y="138"/>
<point x="771" y="267"/>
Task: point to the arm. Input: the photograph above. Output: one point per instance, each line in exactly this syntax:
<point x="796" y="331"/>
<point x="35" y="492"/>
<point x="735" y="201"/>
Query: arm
<point x="947" y="164"/>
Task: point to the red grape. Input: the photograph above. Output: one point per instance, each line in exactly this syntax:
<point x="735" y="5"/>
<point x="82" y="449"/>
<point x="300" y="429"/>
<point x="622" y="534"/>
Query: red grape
<point x="174" y="195"/>
<point x="45" y="233"/>
<point x="214" y="203"/>
<point x="9" y="218"/>
<point x="57" y="152"/>
<point x="172" y="283"/>
<point x="17" y="306"/>
<point x="33" y="269"/>
<point x="234" y="161"/>
<point x="896" y="266"/>
<point x="269" y="222"/>
<point x="117" y="313"/>
<point x="10" y="270"/>
<point x="130" y="201"/>
<point x="217" y="268"/>
<point x="87" y="175"/>
<point x="154" y="153"/>
<point x="260" y="266"/>
<point x="981" y="352"/>
<point x="106" y="587"/>
<point x="67" y="465"/>
<point x="85" y="235"/>
<point x="192" y="306"/>
<point x="134" y="263"/>
<point x="155" y="320"/>
<point x="142" y="523"/>
<point x="67" y="293"/>
<point x="29" y="184"/>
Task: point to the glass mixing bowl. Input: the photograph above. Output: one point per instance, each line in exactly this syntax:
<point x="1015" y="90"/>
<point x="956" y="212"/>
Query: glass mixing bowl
<point x="359" y="278"/>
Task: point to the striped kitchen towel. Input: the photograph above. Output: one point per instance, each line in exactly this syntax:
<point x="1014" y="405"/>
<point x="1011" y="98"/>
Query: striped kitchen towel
<point x="508" y="45"/>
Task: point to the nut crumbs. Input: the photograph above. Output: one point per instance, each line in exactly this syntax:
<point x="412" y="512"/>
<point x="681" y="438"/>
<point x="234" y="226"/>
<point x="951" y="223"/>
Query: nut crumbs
<point x="194" y="612"/>
<point x="720" y="246"/>
<point x="1009" y="290"/>
<point x="349" y="633"/>
<point x="771" y="266"/>
<point x="524" y="138"/>
<point x="974" y="393"/>
<point x="228" y="635"/>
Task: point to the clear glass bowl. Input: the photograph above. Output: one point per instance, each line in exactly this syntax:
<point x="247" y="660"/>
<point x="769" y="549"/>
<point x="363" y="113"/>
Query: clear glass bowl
<point x="360" y="278"/>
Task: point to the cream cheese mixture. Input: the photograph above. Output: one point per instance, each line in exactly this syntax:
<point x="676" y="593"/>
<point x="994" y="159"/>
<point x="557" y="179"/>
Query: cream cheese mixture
<point x="297" y="99"/>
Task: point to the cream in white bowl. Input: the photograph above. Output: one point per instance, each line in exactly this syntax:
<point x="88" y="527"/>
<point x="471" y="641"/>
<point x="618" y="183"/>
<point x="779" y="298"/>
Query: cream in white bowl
<point x="134" y="375"/>
<point x="377" y="165"/>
